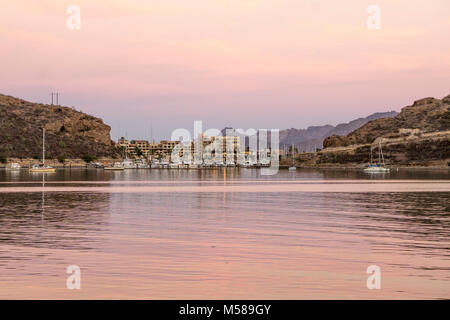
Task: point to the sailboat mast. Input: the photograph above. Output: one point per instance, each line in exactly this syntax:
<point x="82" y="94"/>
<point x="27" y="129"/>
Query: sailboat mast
<point x="43" y="147"/>
<point x="293" y="161"/>
<point x="381" y="152"/>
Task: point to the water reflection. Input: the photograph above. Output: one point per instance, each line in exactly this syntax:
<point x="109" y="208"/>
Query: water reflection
<point x="409" y="217"/>
<point x="53" y="220"/>
<point x="268" y="244"/>
<point x="220" y="174"/>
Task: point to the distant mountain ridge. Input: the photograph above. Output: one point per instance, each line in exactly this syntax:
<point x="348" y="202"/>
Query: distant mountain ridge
<point x="312" y="137"/>
<point x="425" y="115"/>
<point x="69" y="133"/>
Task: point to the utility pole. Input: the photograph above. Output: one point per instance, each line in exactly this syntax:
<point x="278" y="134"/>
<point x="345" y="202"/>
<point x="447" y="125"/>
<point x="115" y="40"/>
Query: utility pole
<point x="56" y="94"/>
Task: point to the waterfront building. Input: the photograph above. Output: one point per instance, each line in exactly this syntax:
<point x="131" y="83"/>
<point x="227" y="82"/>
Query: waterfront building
<point x="209" y="146"/>
<point x="136" y="149"/>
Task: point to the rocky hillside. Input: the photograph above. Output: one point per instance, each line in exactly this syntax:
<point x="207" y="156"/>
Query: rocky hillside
<point x="312" y="137"/>
<point x="418" y="136"/>
<point x="424" y="116"/>
<point x="69" y="133"/>
<point x="428" y="149"/>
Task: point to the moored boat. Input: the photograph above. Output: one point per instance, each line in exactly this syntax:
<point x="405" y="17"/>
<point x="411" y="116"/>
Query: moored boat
<point x="42" y="167"/>
<point x="174" y="165"/>
<point x="129" y="164"/>
<point x="378" y="167"/>
<point x="118" y="166"/>
<point x="142" y="164"/>
<point x="13" y="167"/>
<point x="155" y="164"/>
<point x="164" y="164"/>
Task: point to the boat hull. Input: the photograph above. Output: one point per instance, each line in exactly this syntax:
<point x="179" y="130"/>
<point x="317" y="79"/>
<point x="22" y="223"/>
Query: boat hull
<point x="44" y="170"/>
<point x="114" y="169"/>
<point x="376" y="170"/>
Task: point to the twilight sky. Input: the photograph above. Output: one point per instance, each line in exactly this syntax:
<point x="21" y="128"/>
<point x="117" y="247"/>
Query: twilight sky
<point x="243" y="63"/>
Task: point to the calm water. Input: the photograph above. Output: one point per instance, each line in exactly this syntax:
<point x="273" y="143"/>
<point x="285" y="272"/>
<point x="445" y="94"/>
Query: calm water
<point x="225" y="234"/>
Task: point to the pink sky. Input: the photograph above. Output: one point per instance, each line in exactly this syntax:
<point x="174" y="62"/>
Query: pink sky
<point x="240" y="63"/>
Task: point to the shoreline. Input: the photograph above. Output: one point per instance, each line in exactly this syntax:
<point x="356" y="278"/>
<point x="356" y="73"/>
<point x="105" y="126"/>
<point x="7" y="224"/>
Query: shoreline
<point x="322" y="167"/>
<point x="81" y="164"/>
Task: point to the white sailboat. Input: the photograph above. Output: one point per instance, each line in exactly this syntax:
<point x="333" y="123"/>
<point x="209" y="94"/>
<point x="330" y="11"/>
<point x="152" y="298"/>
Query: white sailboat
<point x="141" y="164"/>
<point x="42" y="167"/>
<point x="378" y="167"/>
<point x="128" y="163"/>
<point x="13" y="167"/>
<point x="118" y="166"/>
<point x="155" y="164"/>
<point x="164" y="164"/>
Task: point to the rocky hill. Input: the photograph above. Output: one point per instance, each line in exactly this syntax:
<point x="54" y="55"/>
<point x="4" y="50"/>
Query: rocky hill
<point x="312" y="137"/>
<point x="69" y="133"/>
<point x="423" y="116"/>
<point x="418" y="136"/>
